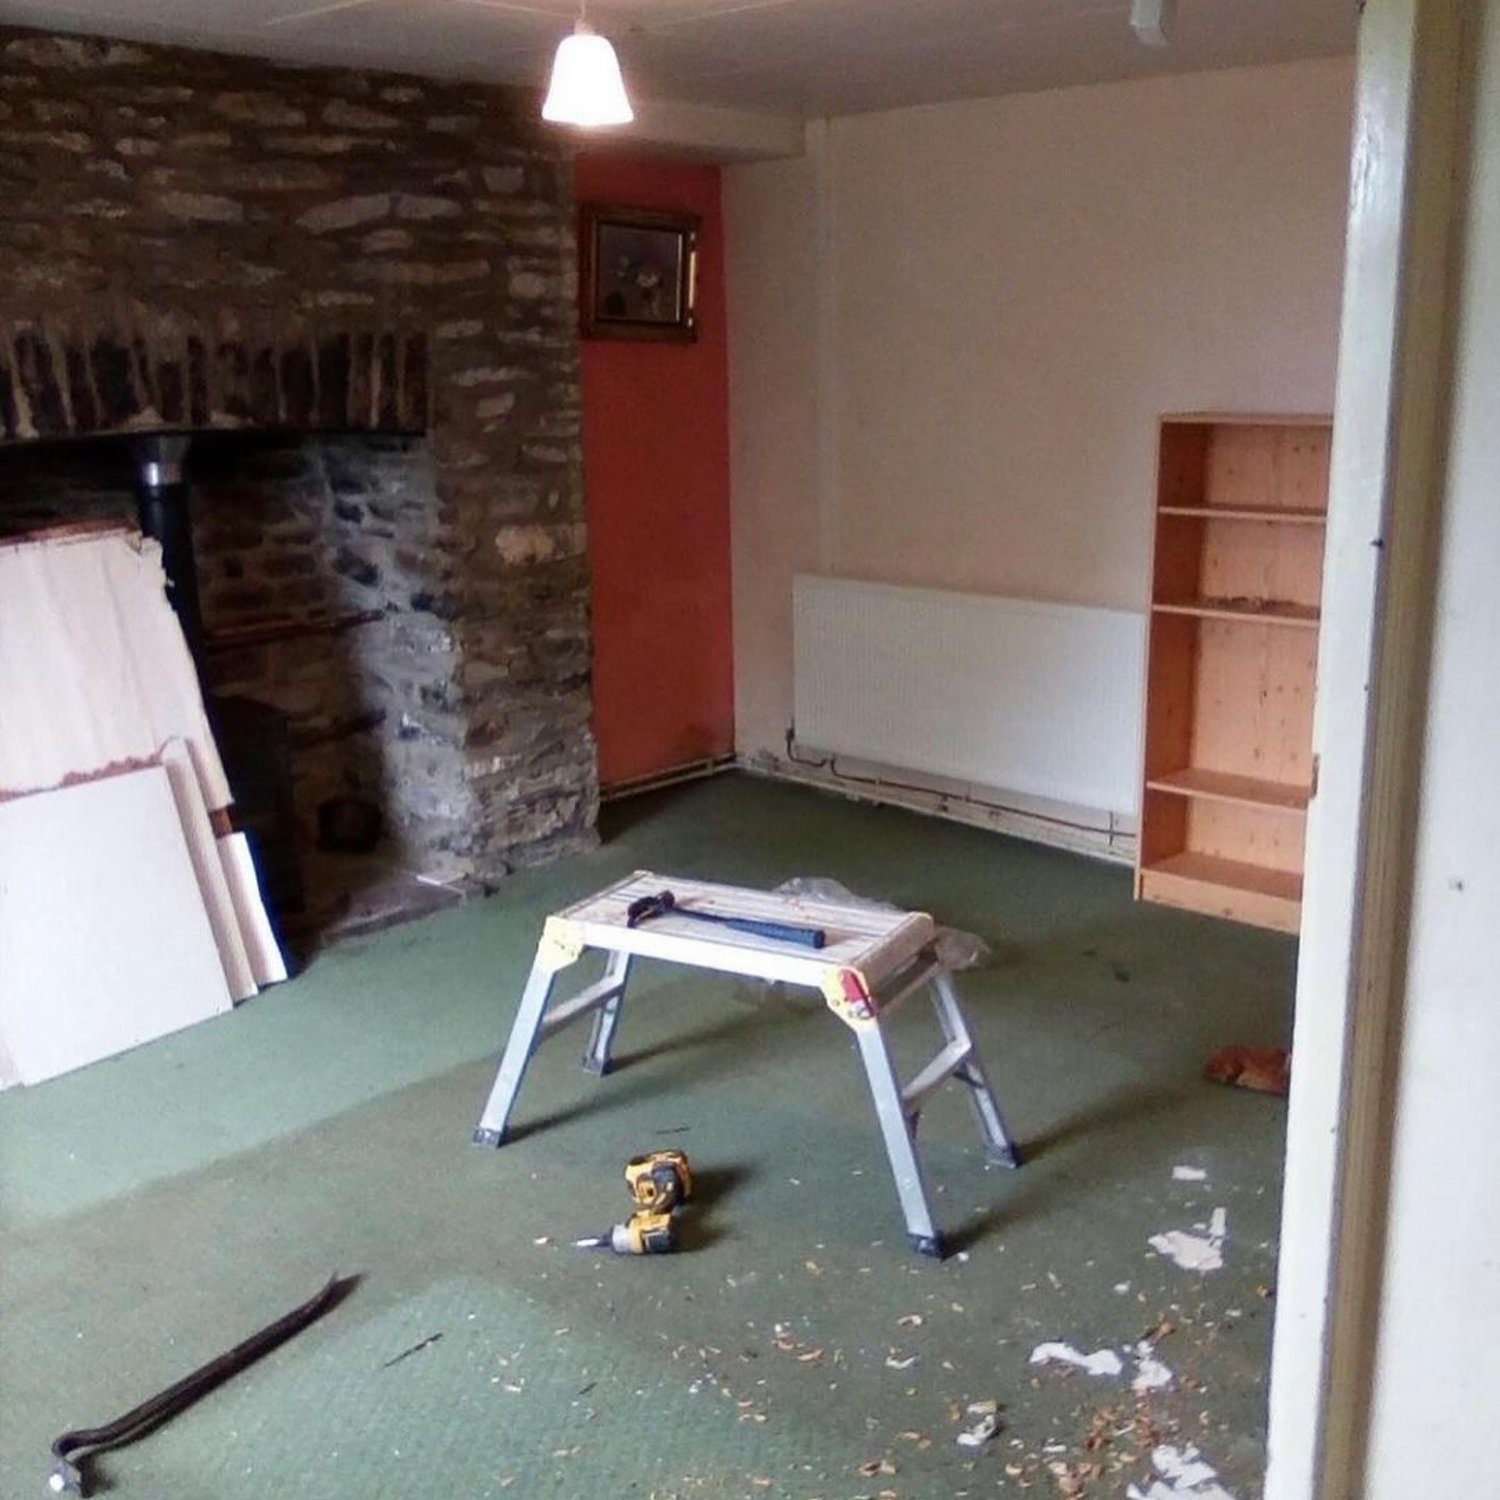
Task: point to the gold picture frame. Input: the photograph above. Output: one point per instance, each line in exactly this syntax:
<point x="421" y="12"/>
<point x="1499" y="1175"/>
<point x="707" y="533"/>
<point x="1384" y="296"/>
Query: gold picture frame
<point x="639" y="274"/>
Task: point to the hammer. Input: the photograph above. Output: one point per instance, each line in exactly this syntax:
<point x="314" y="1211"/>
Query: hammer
<point x="664" y="903"/>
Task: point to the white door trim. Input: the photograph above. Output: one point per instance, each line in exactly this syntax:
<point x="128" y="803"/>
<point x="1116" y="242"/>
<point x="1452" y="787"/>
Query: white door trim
<point x="1377" y="607"/>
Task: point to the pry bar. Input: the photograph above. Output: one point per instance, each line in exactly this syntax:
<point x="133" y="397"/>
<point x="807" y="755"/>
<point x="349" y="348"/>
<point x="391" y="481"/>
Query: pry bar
<point x="72" y="1451"/>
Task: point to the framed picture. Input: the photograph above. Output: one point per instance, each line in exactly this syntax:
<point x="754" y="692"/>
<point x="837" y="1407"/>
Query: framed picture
<point x="639" y="274"/>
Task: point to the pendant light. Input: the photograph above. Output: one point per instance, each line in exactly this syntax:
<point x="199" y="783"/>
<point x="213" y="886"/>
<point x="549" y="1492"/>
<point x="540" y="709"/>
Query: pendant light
<point x="586" y="87"/>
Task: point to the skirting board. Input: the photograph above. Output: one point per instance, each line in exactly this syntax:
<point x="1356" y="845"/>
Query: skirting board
<point x="693" y="770"/>
<point x="1080" y="831"/>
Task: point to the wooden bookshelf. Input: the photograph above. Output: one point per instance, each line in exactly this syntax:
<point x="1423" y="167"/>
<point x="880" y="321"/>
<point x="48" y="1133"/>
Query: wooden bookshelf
<point x="1236" y="586"/>
<point x="1223" y="786"/>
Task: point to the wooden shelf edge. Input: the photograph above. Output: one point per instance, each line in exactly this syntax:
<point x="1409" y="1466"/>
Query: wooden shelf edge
<point x="1287" y="516"/>
<point x="1298" y="616"/>
<point x="1246" y="419"/>
<point x="1223" y="786"/>
<point x="1224" y="888"/>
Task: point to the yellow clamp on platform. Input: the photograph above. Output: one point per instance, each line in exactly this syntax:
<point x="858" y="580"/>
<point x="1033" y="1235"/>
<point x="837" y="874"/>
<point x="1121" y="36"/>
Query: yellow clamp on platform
<point x="848" y="997"/>
<point x="561" y="944"/>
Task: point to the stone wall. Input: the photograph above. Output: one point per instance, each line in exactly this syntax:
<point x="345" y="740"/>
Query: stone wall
<point x="291" y="531"/>
<point x="322" y="529"/>
<point x="194" y="240"/>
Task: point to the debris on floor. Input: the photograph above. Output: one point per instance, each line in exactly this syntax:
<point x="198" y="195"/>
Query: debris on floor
<point x="1100" y="1362"/>
<point x="1184" y="1476"/>
<point x="984" y="1429"/>
<point x="417" y="1348"/>
<point x="1189" y="1174"/>
<point x="1266" y="1070"/>
<point x="1195" y="1252"/>
<point x="1150" y="1373"/>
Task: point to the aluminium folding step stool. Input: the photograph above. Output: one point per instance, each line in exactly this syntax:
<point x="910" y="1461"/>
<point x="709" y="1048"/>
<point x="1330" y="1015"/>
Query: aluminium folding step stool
<point x="872" y="961"/>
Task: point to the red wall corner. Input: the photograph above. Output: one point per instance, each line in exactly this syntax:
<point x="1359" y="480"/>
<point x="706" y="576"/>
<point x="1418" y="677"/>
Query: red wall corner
<point x="656" y="469"/>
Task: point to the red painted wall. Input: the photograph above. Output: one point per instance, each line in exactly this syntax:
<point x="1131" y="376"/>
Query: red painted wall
<point x="656" y="466"/>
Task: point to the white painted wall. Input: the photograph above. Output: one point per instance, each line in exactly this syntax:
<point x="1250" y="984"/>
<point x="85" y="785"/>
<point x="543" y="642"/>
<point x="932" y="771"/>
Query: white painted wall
<point x="952" y="330"/>
<point x="771" y="279"/>
<point x="1437" y="1381"/>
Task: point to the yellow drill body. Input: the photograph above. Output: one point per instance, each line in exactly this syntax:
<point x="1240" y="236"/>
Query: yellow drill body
<point x="659" y="1183"/>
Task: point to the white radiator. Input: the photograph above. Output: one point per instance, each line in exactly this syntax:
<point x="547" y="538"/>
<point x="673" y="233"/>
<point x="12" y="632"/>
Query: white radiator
<point x="1038" y="699"/>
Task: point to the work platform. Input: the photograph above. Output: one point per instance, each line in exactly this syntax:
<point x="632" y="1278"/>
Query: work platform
<point x="870" y="961"/>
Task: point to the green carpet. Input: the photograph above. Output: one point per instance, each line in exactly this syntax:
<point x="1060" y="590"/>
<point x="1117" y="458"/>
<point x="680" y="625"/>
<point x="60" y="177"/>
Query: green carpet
<point x="159" y="1206"/>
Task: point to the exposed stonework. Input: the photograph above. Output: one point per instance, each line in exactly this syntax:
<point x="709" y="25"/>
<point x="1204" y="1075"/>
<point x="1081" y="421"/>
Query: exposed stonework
<point x="193" y="240"/>
<point x="56" y="382"/>
<point x="297" y="530"/>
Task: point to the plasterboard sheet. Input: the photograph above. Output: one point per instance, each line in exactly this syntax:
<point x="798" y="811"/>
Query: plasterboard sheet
<point x="266" y="961"/>
<point x="104" y="941"/>
<point x="94" y="670"/>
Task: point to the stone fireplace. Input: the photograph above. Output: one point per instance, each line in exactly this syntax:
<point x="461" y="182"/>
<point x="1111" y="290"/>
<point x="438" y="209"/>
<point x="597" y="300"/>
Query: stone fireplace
<point x="356" y="293"/>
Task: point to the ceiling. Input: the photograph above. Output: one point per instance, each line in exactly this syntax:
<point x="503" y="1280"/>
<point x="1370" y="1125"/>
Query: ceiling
<point x="800" y="57"/>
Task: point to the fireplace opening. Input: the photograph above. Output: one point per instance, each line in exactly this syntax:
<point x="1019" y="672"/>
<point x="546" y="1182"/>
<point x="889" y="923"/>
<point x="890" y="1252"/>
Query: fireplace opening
<point x="298" y="564"/>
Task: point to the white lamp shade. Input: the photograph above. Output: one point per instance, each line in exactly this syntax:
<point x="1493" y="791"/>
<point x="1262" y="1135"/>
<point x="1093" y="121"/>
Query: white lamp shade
<point x="586" y="85"/>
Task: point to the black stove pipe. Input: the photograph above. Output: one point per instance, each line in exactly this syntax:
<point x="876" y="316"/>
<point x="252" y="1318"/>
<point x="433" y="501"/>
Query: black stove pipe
<point x="163" y="508"/>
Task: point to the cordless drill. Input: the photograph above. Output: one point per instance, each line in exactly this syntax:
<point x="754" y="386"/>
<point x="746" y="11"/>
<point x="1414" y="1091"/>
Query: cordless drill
<point x="660" y="1181"/>
<point x="659" y="1184"/>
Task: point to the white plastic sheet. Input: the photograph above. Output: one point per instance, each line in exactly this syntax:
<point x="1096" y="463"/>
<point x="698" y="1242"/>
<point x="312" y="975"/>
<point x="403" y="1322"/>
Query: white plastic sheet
<point x="957" y="949"/>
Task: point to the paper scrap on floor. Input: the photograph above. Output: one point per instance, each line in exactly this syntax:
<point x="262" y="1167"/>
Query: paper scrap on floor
<point x="1184" y="1476"/>
<point x="1195" y="1252"/>
<point x="1100" y="1362"/>
<point x="1151" y="1374"/>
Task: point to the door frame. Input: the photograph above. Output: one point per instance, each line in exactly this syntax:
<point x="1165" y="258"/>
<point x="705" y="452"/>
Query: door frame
<point x="1385" y="487"/>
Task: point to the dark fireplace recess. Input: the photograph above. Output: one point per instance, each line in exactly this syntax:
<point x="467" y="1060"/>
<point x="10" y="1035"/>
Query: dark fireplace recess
<point x="279" y="550"/>
<point x="254" y="738"/>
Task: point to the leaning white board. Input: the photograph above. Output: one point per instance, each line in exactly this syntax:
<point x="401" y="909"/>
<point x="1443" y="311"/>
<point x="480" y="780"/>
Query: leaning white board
<point x="94" y="670"/>
<point x="104" y="940"/>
